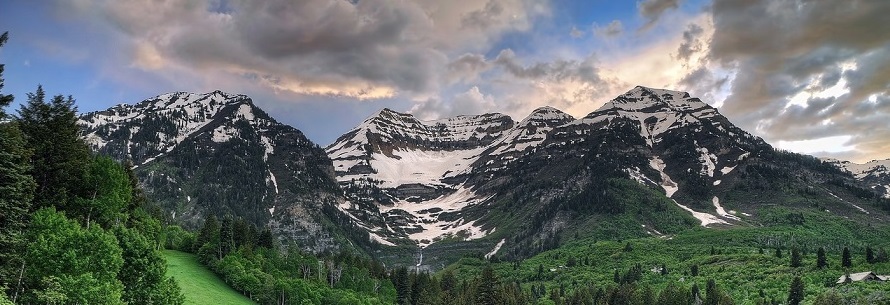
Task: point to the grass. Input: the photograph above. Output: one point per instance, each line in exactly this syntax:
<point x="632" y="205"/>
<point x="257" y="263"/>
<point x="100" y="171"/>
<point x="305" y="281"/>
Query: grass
<point x="199" y="284"/>
<point x="735" y="264"/>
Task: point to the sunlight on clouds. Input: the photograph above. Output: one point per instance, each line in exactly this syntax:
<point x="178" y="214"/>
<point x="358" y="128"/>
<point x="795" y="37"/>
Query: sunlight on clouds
<point x="353" y="89"/>
<point x="147" y="57"/>
<point x="821" y="145"/>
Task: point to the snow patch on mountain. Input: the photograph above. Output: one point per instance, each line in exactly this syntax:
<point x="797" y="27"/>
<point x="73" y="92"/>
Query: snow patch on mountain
<point x="670" y="188"/>
<point x="722" y="212"/>
<point x="495" y="250"/>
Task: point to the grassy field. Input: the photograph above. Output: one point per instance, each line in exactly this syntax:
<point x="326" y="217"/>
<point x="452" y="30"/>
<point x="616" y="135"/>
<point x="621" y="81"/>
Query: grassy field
<point x="199" y="284"/>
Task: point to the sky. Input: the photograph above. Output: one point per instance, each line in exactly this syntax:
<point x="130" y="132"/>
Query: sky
<point x="810" y="76"/>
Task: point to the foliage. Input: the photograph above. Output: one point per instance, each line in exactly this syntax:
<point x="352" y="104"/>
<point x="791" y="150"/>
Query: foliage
<point x="60" y="157"/>
<point x="796" y="292"/>
<point x="16" y="189"/>
<point x="270" y="275"/>
<point x="77" y="264"/>
<point x="199" y="284"/>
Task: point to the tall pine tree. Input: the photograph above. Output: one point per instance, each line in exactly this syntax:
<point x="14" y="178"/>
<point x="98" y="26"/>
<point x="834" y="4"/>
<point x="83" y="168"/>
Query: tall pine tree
<point x="795" y="293"/>
<point x="60" y="157"/>
<point x="820" y="258"/>
<point x="16" y="189"/>
<point x="846" y="260"/>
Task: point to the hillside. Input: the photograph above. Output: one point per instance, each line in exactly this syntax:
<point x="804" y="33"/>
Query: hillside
<point x="650" y="162"/>
<point x="199" y="284"/>
<point x="218" y="154"/>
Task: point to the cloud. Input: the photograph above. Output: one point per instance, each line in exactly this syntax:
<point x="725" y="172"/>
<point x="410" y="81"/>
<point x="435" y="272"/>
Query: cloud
<point x="367" y="49"/>
<point x="614" y="28"/>
<point x="471" y="102"/>
<point x="807" y="69"/>
<point x="691" y="42"/>
<point x="576" y="33"/>
<point x="653" y="9"/>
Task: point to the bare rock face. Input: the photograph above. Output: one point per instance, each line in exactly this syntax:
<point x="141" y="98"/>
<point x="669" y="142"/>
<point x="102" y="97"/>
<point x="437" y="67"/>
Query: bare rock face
<point x="219" y="154"/>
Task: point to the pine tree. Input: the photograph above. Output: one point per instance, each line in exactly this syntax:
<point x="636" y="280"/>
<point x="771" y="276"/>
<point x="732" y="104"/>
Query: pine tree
<point x="796" y="292"/>
<point x="778" y="252"/>
<point x="820" y="258"/>
<point x="60" y="156"/>
<point x="16" y="190"/>
<point x="226" y="237"/>
<point x="869" y="255"/>
<point x="403" y="286"/>
<point x="795" y="258"/>
<point x="846" y="261"/>
<point x="486" y="293"/>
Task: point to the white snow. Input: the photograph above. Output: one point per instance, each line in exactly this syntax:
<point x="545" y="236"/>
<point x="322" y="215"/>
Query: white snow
<point x="842" y="200"/>
<point x="727" y="169"/>
<point x="274" y="181"/>
<point x="708" y="160"/>
<point x="705" y="218"/>
<point x="434" y="229"/>
<point x="379" y="239"/>
<point x="721" y="211"/>
<point x="495" y="250"/>
<point x="418" y="166"/>
<point x="717" y="182"/>
<point x="188" y="198"/>
<point x="670" y="188"/>
<point x="272" y="210"/>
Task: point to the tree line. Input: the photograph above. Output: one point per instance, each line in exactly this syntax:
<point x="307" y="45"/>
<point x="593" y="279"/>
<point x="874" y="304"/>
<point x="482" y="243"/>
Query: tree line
<point x="73" y="228"/>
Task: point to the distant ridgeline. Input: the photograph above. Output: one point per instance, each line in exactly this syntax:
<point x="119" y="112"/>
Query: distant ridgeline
<point x="650" y="162"/>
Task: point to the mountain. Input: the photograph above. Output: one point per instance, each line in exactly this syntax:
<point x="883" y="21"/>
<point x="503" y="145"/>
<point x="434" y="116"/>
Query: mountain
<point x="650" y="162"/>
<point x="219" y="154"/>
<point x="875" y="173"/>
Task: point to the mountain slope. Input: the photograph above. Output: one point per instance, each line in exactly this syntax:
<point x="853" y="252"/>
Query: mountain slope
<point x="650" y="162"/>
<point x="875" y="173"/>
<point x="218" y="154"/>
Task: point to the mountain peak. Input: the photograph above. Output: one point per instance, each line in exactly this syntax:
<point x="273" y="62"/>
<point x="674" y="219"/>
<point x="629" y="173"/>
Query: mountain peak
<point x="640" y="98"/>
<point x="548" y="114"/>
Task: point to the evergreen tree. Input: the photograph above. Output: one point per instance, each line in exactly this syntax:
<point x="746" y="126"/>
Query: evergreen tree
<point x="712" y="294"/>
<point x="137" y="197"/>
<point x="820" y="258"/>
<point x="486" y="293"/>
<point x="693" y="270"/>
<point x="60" y="156"/>
<point x="16" y="190"/>
<point x="846" y="261"/>
<point x="796" y="293"/>
<point x="778" y="253"/>
<point x="795" y="258"/>
<point x="403" y="286"/>
<point x="869" y="255"/>
<point x="226" y="237"/>
<point x="266" y="240"/>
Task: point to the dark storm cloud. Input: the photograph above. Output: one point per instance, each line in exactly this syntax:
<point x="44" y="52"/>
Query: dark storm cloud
<point x="691" y="41"/>
<point x="362" y="49"/>
<point x="653" y="9"/>
<point x="780" y="49"/>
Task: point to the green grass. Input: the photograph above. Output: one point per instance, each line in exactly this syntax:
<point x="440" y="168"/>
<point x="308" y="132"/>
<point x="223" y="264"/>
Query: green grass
<point x="199" y="284"/>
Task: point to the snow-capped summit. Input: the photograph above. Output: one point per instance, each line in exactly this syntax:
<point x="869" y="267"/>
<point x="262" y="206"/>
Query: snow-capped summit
<point x="875" y="173"/>
<point x="217" y="153"/>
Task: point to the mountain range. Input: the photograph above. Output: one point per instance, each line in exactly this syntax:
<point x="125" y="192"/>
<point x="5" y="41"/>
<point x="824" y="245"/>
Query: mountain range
<point x="650" y="162"/>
